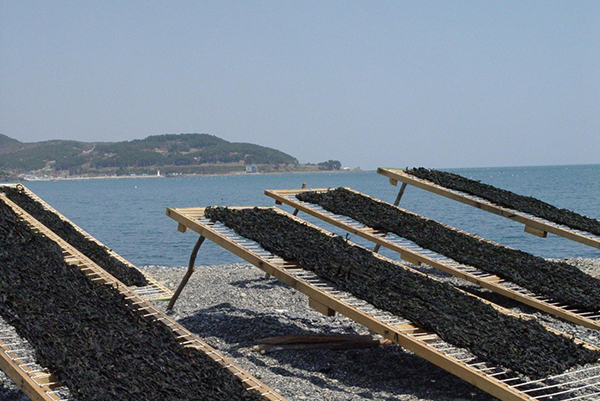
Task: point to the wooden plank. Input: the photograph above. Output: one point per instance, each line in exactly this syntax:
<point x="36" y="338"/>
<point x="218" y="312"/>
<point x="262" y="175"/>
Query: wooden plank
<point x="538" y="223"/>
<point x="492" y="283"/>
<point x="492" y="279"/>
<point x="313" y="338"/>
<point x="397" y="334"/>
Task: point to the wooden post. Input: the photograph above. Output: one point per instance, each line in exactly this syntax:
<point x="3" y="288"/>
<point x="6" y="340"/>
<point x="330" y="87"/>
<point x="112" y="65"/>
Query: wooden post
<point x="188" y="274"/>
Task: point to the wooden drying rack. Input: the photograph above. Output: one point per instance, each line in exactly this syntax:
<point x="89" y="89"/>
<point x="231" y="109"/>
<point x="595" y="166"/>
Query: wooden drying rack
<point x="154" y="291"/>
<point x="326" y="299"/>
<point x="409" y="252"/>
<point x="37" y="384"/>
<point x="37" y="390"/>
<point x="533" y="225"/>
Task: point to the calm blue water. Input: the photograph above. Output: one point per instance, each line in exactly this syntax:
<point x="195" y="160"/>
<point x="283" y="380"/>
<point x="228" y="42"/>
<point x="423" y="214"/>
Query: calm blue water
<point x="128" y="215"/>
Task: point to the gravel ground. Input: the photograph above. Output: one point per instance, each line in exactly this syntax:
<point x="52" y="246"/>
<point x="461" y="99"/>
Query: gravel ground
<point x="230" y="306"/>
<point x="9" y="390"/>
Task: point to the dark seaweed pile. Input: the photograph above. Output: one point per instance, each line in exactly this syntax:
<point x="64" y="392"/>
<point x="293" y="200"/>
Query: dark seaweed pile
<point x="557" y="280"/>
<point x="509" y="199"/>
<point x="524" y="346"/>
<point x="97" y="253"/>
<point x="86" y="334"/>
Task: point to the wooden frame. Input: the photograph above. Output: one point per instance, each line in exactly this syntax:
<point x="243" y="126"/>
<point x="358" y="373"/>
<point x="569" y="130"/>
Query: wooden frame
<point x="36" y="388"/>
<point x="410" y="254"/>
<point x="155" y="291"/>
<point x="533" y="225"/>
<point x="140" y="305"/>
<point x="495" y="380"/>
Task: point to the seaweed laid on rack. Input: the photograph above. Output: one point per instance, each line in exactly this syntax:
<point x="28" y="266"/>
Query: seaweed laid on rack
<point x="129" y="276"/>
<point x="90" y="337"/>
<point x="460" y="319"/>
<point x="557" y="280"/>
<point x="504" y="198"/>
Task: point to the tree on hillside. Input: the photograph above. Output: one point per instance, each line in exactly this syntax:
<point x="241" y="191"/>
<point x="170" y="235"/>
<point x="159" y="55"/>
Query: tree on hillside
<point x="330" y="165"/>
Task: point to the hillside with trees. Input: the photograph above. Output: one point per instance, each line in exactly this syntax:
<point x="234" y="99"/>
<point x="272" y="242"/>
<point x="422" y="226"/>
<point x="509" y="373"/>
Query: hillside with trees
<point x="169" y="154"/>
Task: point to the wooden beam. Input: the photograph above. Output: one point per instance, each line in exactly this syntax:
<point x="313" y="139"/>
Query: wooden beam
<point x="512" y="214"/>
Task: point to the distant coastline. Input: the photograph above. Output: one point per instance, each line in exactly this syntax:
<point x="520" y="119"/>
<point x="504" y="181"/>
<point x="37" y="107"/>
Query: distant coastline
<point x="154" y="156"/>
<point x="118" y="177"/>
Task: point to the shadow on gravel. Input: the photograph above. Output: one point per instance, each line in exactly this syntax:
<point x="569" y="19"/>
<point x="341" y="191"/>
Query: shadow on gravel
<point x="259" y="284"/>
<point x="385" y="369"/>
<point x="11" y="394"/>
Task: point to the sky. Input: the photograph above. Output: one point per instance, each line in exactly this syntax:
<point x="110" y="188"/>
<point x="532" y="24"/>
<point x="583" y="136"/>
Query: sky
<point x="369" y="83"/>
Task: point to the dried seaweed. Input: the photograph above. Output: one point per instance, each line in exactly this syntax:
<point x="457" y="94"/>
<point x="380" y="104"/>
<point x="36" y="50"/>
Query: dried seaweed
<point x="508" y="199"/>
<point x="557" y="280"/>
<point x="129" y="276"/>
<point x="90" y="337"/>
<point x="465" y="321"/>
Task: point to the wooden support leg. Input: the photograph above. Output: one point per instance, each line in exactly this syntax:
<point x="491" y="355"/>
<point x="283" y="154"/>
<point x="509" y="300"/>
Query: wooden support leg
<point x="319" y="307"/>
<point x="188" y="274"/>
<point x="396" y="203"/>
<point x="536" y="231"/>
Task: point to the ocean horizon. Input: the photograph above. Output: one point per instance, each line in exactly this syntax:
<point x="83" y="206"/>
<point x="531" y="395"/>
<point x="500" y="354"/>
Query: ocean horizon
<point x="128" y="215"/>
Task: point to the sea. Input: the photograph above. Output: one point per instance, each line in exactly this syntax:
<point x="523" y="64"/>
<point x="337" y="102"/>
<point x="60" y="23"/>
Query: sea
<point x="129" y="215"/>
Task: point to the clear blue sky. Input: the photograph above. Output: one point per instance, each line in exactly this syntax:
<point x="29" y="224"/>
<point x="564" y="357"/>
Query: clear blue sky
<point x="427" y="83"/>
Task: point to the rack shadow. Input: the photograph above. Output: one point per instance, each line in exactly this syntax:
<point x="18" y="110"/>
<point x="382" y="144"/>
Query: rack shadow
<point x="387" y="368"/>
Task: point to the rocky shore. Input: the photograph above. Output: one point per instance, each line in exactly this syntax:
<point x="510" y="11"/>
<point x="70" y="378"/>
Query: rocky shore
<point x="231" y="306"/>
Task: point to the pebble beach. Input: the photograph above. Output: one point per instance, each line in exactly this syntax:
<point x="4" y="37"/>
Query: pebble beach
<point x="231" y="306"/>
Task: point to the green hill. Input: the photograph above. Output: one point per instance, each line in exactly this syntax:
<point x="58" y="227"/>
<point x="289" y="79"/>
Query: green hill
<point x="8" y="144"/>
<point x="7" y="141"/>
<point x="182" y="153"/>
